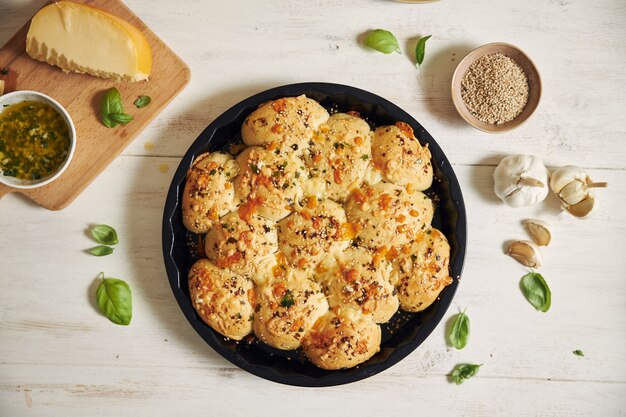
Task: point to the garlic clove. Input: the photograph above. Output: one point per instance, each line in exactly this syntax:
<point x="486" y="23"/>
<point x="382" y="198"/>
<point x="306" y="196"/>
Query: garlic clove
<point x="539" y="231"/>
<point x="526" y="253"/>
<point x="530" y="182"/>
<point x="564" y="175"/>
<point x="583" y="208"/>
<point x="574" y="192"/>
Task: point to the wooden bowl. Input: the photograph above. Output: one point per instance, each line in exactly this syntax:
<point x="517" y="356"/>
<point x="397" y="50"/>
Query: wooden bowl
<point x="534" y="85"/>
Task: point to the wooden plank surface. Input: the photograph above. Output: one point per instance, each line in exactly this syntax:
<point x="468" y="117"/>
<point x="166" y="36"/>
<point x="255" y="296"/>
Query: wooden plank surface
<point x="96" y="145"/>
<point x="59" y="357"/>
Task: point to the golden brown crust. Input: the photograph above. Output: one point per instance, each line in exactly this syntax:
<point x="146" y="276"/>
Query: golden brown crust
<point x="316" y="230"/>
<point x="340" y="154"/>
<point x="317" y="213"/>
<point x="361" y="280"/>
<point x="288" y="122"/>
<point x="287" y="306"/>
<point x="341" y="340"/>
<point x="224" y="300"/>
<point x="400" y="157"/>
<point x="388" y="214"/>
<point x="268" y="184"/>
<point x="208" y="192"/>
<point x="240" y="246"/>
<point x="421" y="270"/>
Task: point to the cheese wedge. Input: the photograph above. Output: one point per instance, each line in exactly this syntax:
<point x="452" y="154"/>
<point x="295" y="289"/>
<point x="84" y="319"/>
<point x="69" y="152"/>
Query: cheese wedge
<point x="79" y="38"/>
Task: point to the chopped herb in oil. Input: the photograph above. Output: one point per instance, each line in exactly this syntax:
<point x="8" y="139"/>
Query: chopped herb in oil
<point x="34" y="140"/>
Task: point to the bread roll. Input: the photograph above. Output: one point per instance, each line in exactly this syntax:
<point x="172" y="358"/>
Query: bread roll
<point x="400" y="157"/>
<point x="284" y="123"/>
<point x="388" y="214"/>
<point x="224" y="300"/>
<point x="240" y="246"/>
<point x="342" y="340"/>
<point x="421" y="270"/>
<point x="208" y="192"/>
<point x="340" y="153"/>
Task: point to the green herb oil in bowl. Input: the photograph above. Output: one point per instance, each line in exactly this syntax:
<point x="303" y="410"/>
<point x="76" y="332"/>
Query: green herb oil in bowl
<point x="37" y="139"/>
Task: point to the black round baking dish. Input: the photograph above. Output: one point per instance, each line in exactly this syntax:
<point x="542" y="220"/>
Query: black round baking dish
<point x="405" y="331"/>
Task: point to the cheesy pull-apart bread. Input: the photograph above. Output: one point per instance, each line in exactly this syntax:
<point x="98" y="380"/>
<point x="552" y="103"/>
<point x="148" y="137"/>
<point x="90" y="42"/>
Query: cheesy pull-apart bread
<point x="267" y="183"/>
<point x="400" y="157"/>
<point x="361" y="280"/>
<point x="340" y="153"/>
<point x="209" y="192"/>
<point x="342" y="339"/>
<point x="421" y="270"/>
<point x="285" y="123"/>
<point x="288" y="304"/>
<point x="388" y="214"/>
<point x="224" y="300"/>
<point x="316" y="230"/>
<point x="240" y="246"/>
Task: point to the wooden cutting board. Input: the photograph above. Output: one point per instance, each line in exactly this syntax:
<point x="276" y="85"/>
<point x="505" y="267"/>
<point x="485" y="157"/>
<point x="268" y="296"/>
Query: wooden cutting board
<point x="97" y="146"/>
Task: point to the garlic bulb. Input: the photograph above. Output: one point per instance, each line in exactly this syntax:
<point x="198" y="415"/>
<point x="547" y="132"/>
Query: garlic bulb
<point x="521" y="180"/>
<point x="573" y="187"/>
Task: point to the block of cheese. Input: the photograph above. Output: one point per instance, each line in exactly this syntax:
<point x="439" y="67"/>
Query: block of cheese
<point x="80" y="38"/>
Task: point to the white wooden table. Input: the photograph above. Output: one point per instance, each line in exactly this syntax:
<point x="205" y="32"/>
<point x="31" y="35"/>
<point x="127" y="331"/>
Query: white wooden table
<point x="60" y="357"/>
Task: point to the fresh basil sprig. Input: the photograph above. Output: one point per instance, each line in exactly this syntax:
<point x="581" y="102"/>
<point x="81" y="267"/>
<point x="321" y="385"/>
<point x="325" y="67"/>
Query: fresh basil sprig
<point x="464" y="371"/>
<point x="112" y="110"/>
<point x="536" y="291"/>
<point x="101" y="250"/>
<point x="420" y="50"/>
<point x="115" y="300"/>
<point x="382" y="41"/>
<point x="142" y="101"/>
<point x="104" y="234"/>
<point x="578" y="352"/>
<point x="459" y="333"/>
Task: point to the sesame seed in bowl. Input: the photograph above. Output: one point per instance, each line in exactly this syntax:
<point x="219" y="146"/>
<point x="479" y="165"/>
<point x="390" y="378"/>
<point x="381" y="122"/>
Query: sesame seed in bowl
<point x="496" y="87"/>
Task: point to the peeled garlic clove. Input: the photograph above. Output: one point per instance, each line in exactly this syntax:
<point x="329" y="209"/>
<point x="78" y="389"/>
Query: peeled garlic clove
<point x="526" y="253"/>
<point x="583" y="208"/>
<point x="539" y="230"/>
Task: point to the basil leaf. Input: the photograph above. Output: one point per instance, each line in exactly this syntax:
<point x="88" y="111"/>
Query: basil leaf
<point x="121" y="118"/>
<point x="383" y="41"/>
<point x="115" y="300"/>
<point x="111" y="102"/>
<point x="112" y="110"/>
<point x="536" y="291"/>
<point x="101" y="250"/>
<point x="106" y="120"/>
<point x="464" y="371"/>
<point x="142" y="101"/>
<point x="578" y="352"/>
<point x="420" y="50"/>
<point x="459" y="333"/>
<point x="104" y="234"/>
<point x="287" y="300"/>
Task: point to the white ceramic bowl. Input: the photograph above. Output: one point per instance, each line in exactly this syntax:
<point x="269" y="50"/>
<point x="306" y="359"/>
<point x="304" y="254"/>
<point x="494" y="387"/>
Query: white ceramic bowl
<point x="18" y="97"/>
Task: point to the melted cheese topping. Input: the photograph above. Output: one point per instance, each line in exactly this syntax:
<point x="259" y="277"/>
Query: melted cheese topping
<point x="331" y="244"/>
